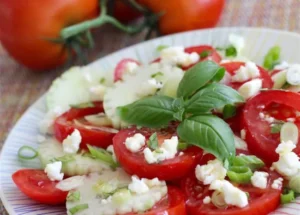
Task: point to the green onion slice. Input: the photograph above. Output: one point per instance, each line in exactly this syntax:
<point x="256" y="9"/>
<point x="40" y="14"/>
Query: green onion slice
<point x="240" y="174"/>
<point x="102" y="155"/>
<point x="73" y="196"/>
<point x="250" y="161"/>
<point x="272" y="57"/>
<point x="288" y="197"/>
<point x="78" y="208"/>
<point x="23" y="151"/>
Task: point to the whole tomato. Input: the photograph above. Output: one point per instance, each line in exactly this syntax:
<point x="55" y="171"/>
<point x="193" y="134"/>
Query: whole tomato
<point x="124" y="13"/>
<point x="184" y="15"/>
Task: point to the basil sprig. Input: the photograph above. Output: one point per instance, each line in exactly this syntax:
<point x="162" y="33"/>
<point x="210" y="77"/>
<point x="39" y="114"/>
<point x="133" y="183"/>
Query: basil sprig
<point x="197" y="95"/>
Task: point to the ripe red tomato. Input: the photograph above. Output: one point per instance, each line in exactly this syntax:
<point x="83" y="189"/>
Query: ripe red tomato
<point x="261" y="201"/>
<point x="124" y="13"/>
<point x="278" y="104"/>
<point x="120" y="68"/>
<point x="36" y="185"/>
<point x="173" y="204"/>
<point x="184" y="15"/>
<point x="231" y="67"/>
<point x="92" y="135"/>
<point x="25" y="33"/>
<point x="135" y="163"/>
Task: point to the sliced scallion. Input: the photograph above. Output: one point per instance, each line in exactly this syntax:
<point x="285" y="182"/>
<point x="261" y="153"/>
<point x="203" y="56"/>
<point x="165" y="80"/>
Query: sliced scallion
<point x="182" y="146"/>
<point x="239" y="174"/>
<point x="161" y="47"/>
<point x="78" y="208"/>
<point x="102" y="155"/>
<point x="289" y="131"/>
<point x="250" y="161"/>
<point x="83" y="105"/>
<point x="24" y="150"/>
<point x="205" y="53"/>
<point x="153" y="142"/>
<point x="272" y="57"/>
<point x="230" y="51"/>
<point x="218" y="200"/>
<point x="73" y="196"/>
<point x="287" y="197"/>
<point x="64" y="159"/>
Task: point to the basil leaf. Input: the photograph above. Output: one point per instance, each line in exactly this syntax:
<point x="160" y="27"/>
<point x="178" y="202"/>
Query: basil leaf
<point x="153" y="142"/>
<point x="272" y="57"/>
<point x="154" y="111"/>
<point x="214" y="96"/>
<point x="229" y="111"/>
<point x="179" y="115"/>
<point x="182" y="146"/>
<point x="209" y="133"/>
<point x="219" y="76"/>
<point x="196" y="77"/>
<point x="205" y="53"/>
<point x="230" y="51"/>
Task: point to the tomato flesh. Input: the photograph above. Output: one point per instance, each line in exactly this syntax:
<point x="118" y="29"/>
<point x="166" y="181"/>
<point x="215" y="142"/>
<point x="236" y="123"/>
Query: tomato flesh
<point x="135" y="163"/>
<point x="278" y="104"/>
<point x="120" y="68"/>
<point x="64" y="125"/>
<point x="36" y="185"/>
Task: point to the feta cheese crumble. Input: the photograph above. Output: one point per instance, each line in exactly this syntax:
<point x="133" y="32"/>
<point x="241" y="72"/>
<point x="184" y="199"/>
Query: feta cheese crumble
<point x="250" y="88"/>
<point x="240" y="143"/>
<point x="260" y="179"/>
<point x="130" y="68"/>
<point x="277" y="183"/>
<point x="135" y="143"/>
<point x="213" y="170"/>
<point x="206" y="200"/>
<point x="53" y="171"/>
<point x="167" y="150"/>
<point x="176" y="56"/>
<point x="97" y="92"/>
<point x="72" y="142"/>
<point x="149" y="87"/>
<point x="232" y="195"/>
<point x="247" y="72"/>
<point x="137" y="185"/>
<point x="237" y="41"/>
<point x="293" y="74"/>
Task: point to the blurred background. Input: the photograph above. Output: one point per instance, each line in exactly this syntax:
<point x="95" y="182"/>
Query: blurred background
<point x="34" y="35"/>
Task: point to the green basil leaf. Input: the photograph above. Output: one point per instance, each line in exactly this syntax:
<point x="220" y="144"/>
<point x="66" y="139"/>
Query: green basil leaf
<point x="153" y="142"/>
<point x="214" y="96"/>
<point x="154" y="111"/>
<point x="196" y="77"/>
<point x="230" y="51"/>
<point x="205" y="53"/>
<point x="219" y="76"/>
<point x="179" y="115"/>
<point x="272" y="58"/>
<point x="209" y="133"/>
<point x="229" y="111"/>
<point x="182" y="146"/>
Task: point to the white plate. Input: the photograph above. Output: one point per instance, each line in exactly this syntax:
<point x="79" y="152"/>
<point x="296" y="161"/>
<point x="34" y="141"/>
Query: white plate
<point x="258" y="41"/>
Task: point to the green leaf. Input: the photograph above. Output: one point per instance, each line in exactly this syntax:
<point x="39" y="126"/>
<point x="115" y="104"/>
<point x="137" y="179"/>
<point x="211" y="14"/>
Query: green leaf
<point x="272" y="57"/>
<point x="230" y="51"/>
<point x="209" y="133"/>
<point x="182" y="146"/>
<point x="229" y="111"/>
<point x="196" y="77"/>
<point x="179" y="115"/>
<point x="83" y="105"/>
<point x="214" y="96"/>
<point x="154" y="111"/>
<point x="276" y="127"/>
<point x="153" y="142"/>
<point x="205" y="53"/>
<point x="73" y="196"/>
<point x="219" y="76"/>
<point x="250" y="161"/>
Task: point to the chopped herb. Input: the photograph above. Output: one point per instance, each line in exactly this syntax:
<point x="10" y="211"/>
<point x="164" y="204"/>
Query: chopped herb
<point x="276" y="127"/>
<point x="182" y="146"/>
<point x="102" y="80"/>
<point x="272" y="57"/>
<point x="286" y="85"/>
<point x="230" y="51"/>
<point x="73" y="196"/>
<point x="102" y="155"/>
<point x="64" y="159"/>
<point x="153" y="142"/>
<point x="23" y="155"/>
<point x="161" y="47"/>
<point x="229" y="111"/>
<point x="205" y="53"/>
<point x="157" y="74"/>
<point x="78" y="208"/>
<point x="83" y="105"/>
<point x="287" y="196"/>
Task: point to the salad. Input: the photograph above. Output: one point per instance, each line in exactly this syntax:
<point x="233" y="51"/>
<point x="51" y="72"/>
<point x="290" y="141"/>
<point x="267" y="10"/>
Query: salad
<point x="199" y="130"/>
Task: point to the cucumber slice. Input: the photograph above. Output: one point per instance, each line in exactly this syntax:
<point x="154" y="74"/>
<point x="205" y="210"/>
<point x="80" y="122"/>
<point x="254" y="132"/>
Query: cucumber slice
<point x="74" y="86"/>
<point x="171" y="86"/>
<point x="118" y="199"/>
<point x="279" y="79"/>
<point x="76" y="164"/>
<point x="129" y="90"/>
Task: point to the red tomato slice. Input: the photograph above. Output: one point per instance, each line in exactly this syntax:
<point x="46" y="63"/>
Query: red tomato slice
<point x="231" y="68"/>
<point x="261" y="202"/>
<point x="212" y="54"/>
<point x="173" y="204"/>
<point x="92" y="135"/>
<point x="278" y="104"/>
<point x="36" y="185"/>
<point x="135" y="163"/>
<point x="119" y="70"/>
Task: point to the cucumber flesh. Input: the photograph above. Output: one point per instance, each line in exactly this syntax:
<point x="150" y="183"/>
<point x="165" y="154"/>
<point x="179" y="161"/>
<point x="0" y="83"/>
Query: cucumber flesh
<point x="171" y="86"/>
<point x="279" y="79"/>
<point x="77" y="165"/>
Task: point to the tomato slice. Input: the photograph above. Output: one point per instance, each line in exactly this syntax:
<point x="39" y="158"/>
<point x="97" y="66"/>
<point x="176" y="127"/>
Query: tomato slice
<point x="36" y="185"/>
<point x="232" y="67"/>
<point x="135" y="163"/>
<point x="278" y="104"/>
<point x="92" y="135"/>
<point x="120" y="68"/>
<point x="261" y="201"/>
<point x="173" y="204"/>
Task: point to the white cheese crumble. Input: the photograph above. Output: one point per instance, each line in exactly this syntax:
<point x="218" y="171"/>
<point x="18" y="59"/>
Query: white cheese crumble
<point x="110" y="149"/>
<point x="97" y="92"/>
<point x="213" y="170"/>
<point x="288" y="164"/>
<point x="40" y="138"/>
<point x="137" y="185"/>
<point x="167" y="150"/>
<point x="293" y="74"/>
<point x="70" y="183"/>
<point x="232" y="195"/>
<point x="46" y="125"/>
<point x="281" y="66"/>
<point x="72" y="142"/>
<point x="240" y="143"/>
<point x="266" y="117"/>
<point x="277" y="183"/>
<point x="237" y="41"/>
<point x="207" y="200"/>
<point x="250" y="88"/>
<point x="130" y="68"/>
<point x="260" y="179"/>
<point x="243" y="134"/>
<point x="176" y="56"/>
<point x="247" y="72"/>
<point x="53" y="171"/>
<point x="135" y="143"/>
